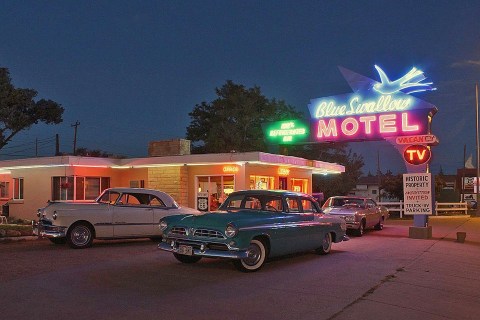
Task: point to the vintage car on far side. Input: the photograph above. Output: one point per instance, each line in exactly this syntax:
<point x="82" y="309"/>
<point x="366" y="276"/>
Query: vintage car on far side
<point x="251" y="226"/>
<point x="118" y="213"/>
<point x="359" y="213"/>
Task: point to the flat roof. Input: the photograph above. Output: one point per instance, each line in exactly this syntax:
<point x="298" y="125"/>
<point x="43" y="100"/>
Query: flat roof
<point x="238" y="158"/>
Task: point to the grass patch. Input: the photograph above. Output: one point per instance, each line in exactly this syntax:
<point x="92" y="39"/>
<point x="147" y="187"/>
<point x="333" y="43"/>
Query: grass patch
<point x="15" y="230"/>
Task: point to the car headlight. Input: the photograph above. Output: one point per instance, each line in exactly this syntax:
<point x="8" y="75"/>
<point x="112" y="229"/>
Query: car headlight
<point x="54" y="216"/>
<point x="231" y="230"/>
<point x="350" y="218"/>
<point x="39" y="213"/>
<point x="163" y="225"/>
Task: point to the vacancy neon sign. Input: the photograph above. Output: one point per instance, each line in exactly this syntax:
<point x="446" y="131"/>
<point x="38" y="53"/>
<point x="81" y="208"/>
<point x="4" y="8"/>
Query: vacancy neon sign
<point x="376" y="110"/>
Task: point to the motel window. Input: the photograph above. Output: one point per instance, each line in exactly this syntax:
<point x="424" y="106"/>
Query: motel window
<point x="293" y="205"/>
<point x="4" y="190"/>
<point x="308" y="206"/>
<point x="18" y="188"/>
<point x="137" y="183"/>
<point x="261" y="182"/>
<point x="299" y="185"/>
<point x="76" y="188"/>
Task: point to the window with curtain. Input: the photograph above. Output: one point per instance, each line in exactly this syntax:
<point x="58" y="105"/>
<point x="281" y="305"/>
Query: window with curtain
<point x="78" y="188"/>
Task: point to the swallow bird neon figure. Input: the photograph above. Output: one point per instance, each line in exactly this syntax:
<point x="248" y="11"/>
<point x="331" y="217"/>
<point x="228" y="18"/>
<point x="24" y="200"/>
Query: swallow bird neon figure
<point x="409" y="83"/>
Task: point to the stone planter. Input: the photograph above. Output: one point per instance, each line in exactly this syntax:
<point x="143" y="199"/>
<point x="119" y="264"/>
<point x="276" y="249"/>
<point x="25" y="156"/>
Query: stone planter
<point x="461" y="236"/>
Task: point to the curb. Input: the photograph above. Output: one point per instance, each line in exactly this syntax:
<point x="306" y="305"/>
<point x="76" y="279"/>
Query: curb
<point x="16" y="239"/>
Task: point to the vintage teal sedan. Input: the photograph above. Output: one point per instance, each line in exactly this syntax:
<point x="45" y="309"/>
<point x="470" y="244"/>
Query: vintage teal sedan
<point x="251" y="226"/>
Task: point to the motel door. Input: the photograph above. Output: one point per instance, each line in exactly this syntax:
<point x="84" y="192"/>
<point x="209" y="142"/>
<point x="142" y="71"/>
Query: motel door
<point x="213" y="190"/>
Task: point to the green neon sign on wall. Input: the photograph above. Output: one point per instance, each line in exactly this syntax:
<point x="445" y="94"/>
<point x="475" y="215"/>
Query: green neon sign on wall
<point x="287" y="131"/>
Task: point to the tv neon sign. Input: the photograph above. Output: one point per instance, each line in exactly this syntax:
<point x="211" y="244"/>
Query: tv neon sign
<point x="417" y="154"/>
<point x="374" y="111"/>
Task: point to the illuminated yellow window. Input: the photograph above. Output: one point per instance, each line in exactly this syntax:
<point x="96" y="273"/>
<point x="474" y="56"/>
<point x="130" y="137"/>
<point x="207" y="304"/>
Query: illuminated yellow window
<point x="261" y="182"/>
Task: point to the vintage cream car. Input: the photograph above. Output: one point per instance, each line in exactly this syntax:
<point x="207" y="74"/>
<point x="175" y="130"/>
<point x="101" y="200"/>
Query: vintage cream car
<point x="118" y="213"/>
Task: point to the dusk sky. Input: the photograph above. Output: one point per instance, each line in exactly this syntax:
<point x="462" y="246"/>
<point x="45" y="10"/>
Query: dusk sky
<point x="131" y="71"/>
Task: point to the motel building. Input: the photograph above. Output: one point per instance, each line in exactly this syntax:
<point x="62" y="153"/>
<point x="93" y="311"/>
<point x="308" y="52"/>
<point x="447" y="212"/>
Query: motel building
<point x="198" y="181"/>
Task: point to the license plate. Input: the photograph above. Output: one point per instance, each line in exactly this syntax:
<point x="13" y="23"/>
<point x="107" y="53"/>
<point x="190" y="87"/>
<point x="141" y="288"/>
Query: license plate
<point x="185" y="250"/>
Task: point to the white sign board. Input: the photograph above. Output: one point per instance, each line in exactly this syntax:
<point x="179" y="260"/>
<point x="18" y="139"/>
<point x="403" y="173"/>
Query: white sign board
<point x="417" y="193"/>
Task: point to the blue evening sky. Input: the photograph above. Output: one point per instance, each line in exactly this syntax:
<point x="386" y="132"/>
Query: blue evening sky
<point x="131" y="71"/>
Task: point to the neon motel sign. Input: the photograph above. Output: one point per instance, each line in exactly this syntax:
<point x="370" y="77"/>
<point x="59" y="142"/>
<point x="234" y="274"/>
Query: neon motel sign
<point x="375" y="111"/>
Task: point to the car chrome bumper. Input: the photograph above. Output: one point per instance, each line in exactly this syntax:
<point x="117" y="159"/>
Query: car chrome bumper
<point x="48" y="231"/>
<point x="353" y="225"/>
<point x="211" y="253"/>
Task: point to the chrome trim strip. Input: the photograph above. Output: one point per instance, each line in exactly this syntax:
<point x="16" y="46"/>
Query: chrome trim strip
<point x="118" y="223"/>
<point x="288" y="225"/>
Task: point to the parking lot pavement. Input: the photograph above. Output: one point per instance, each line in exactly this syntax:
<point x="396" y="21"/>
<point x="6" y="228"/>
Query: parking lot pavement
<point x="382" y="275"/>
<point x="442" y="282"/>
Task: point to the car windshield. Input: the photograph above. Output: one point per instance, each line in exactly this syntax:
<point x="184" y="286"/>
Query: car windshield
<point x="345" y="202"/>
<point x="253" y="202"/>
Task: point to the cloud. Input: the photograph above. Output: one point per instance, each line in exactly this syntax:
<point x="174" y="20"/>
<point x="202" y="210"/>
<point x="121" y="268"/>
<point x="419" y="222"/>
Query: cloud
<point x="466" y="63"/>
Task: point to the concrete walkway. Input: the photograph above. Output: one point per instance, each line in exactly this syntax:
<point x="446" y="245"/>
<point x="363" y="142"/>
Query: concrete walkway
<point x="441" y="282"/>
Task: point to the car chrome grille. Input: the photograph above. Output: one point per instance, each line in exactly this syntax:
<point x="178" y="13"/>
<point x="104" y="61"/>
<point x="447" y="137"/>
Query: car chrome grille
<point x="205" y="233"/>
<point x="179" y="230"/>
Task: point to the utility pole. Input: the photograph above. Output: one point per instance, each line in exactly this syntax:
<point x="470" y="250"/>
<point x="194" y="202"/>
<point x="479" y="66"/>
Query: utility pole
<point x="379" y="177"/>
<point x="76" y="124"/>
<point x="477" y="211"/>
<point x="57" y="145"/>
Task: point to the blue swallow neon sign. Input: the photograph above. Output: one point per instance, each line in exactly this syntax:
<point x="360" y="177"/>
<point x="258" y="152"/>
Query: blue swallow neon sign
<point x="375" y="110"/>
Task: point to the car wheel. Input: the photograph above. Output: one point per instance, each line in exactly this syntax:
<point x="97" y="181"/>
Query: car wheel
<point x="257" y="254"/>
<point x="326" y="244"/>
<point x="80" y="236"/>
<point x="58" y="240"/>
<point x="361" y="229"/>
<point x="186" y="259"/>
<point x="379" y="225"/>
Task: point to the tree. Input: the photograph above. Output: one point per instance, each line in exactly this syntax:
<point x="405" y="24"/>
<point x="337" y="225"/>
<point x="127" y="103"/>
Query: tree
<point x="19" y="111"/>
<point x="335" y="185"/>
<point x="392" y="185"/>
<point x="233" y="121"/>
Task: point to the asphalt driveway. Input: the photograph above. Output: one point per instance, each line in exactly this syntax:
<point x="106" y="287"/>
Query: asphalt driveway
<point x="382" y="275"/>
